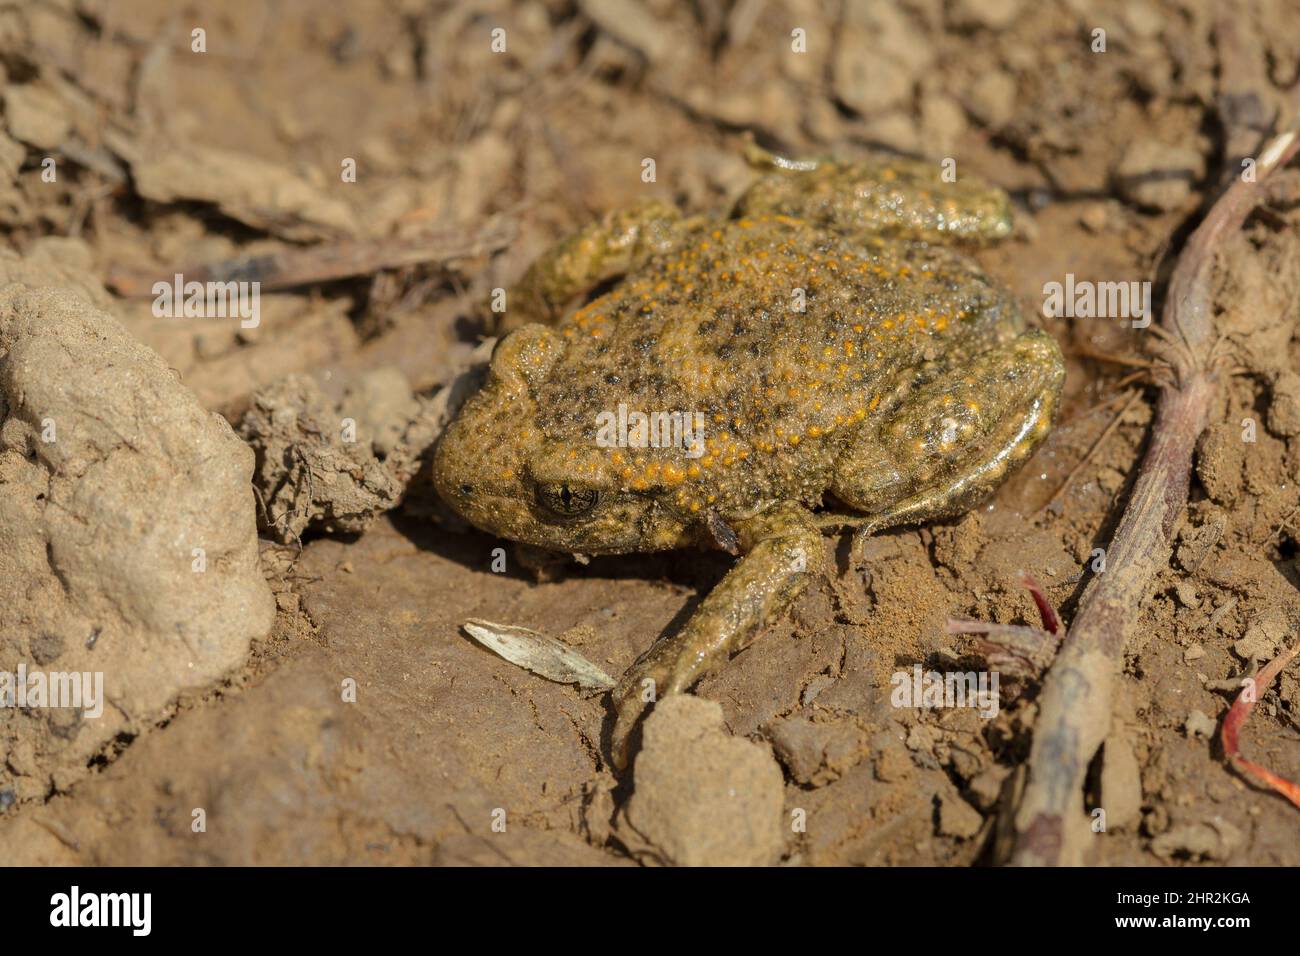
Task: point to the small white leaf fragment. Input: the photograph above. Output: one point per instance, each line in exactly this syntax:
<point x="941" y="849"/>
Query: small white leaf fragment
<point x="544" y="656"/>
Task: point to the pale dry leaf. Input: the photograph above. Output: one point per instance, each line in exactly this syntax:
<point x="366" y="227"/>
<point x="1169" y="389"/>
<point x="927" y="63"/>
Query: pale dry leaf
<point x="534" y="651"/>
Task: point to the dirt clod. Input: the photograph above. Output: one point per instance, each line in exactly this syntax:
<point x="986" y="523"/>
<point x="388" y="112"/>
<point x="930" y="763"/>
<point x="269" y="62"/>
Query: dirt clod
<point x="816" y="753"/>
<point x="1263" y="637"/>
<point x="700" y="796"/>
<point x="1158" y="175"/>
<point x="1121" y="783"/>
<point x="315" y="468"/>
<point x="1215" y="839"/>
<point x="957" y="818"/>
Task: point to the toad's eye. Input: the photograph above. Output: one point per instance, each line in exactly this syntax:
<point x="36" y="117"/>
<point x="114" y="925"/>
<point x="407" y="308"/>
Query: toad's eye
<point x="565" y="501"/>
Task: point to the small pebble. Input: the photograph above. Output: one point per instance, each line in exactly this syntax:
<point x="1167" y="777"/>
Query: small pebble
<point x="1199" y="724"/>
<point x="957" y="818"/>
<point x="1185" y="591"/>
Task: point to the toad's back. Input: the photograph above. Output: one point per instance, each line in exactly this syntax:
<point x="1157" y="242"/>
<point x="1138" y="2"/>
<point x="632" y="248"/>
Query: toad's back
<point x="785" y="336"/>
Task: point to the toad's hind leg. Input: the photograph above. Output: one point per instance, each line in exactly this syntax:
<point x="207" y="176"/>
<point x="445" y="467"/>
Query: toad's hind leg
<point x="953" y="441"/>
<point x="782" y="553"/>
<point x="601" y="251"/>
<point x="883" y="196"/>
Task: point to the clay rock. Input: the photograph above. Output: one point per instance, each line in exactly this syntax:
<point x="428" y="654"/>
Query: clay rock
<point x="57" y="261"/>
<point x="382" y="404"/>
<point x="36" y="115"/>
<point x="879" y="57"/>
<point x="1159" y="176"/>
<point x="702" y="797"/>
<point x="991" y="99"/>
<point x="127" y="539"/>
<point x="257" y="192"/>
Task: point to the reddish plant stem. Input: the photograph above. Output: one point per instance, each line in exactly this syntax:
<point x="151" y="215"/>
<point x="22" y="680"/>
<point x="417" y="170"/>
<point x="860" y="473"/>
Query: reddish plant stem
<point x="1236" y="719"/>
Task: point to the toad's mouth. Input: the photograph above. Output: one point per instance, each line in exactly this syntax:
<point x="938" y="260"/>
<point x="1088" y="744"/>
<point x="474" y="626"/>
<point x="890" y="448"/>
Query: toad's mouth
<point x="623" y="526"/>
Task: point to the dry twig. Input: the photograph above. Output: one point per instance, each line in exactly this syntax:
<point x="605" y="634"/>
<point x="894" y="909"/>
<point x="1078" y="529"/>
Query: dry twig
<point x="324" y="262"/>
<point x="1075" y="706"/>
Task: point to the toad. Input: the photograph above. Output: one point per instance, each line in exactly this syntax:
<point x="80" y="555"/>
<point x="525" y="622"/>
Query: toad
<point x="816" y="357"/>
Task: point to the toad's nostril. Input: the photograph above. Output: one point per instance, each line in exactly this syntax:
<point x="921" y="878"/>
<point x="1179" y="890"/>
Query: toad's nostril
<point x="466" y="489"/>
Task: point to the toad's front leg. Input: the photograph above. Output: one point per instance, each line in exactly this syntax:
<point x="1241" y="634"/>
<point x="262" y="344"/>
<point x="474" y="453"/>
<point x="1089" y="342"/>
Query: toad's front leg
<point x="604" y="250"/>
<point x="782" y="551"/>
